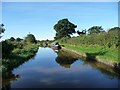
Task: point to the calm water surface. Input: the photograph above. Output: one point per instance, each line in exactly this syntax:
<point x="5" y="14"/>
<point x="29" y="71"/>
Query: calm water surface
<point x="49" y="69"/>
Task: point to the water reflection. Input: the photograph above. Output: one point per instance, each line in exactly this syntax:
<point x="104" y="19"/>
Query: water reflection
<point x="65" y="59"/>
<point x="104" y="69"/>
<point x="45" y="71"/>
<point x="7" y="77"/>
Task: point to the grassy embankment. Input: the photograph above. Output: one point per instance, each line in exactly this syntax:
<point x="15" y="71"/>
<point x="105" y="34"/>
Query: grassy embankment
<point x="18" y="57"/>
<point x="109" y="55"/>
<point x="98" y="52"/>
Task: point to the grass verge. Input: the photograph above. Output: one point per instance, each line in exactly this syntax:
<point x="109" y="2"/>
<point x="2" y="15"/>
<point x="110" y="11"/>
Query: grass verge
<point x="105" y="54"/>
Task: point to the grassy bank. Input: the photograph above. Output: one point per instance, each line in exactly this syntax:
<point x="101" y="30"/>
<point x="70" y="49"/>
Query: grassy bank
<point x="18" y="57"/>
<point x="100" y="46"/>
<point x="110" y="55"/>
<point x="96" y="52"/>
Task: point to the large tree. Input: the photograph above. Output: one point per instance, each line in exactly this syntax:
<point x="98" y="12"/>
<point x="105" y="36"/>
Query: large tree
<point x="95" y="29"/>
<point x="64" y="28"/>
<point x="30" y="38"/>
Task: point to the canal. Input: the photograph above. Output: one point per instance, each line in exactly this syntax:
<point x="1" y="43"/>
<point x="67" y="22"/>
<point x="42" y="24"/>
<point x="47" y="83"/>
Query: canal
<point x="50" y="69"/>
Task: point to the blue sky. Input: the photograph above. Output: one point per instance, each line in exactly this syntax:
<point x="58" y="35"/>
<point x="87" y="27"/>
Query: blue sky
<point x="60" y="0"/>
<point x="38" y="18"/>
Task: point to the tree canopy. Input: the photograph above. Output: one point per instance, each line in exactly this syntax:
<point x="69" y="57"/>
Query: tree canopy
<point x="64" y="28"/>
<point x="114" y="29"/>
<point x="12" y="39"/>
<point x="95" y="29"/>
<point x="18" y="39"/>
<point x="30" y="38"/>
<point x="83" y="32"/>
<point x="7" y="48"/>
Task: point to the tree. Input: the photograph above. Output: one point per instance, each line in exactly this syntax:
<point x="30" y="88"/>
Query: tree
<point x="19" y="39"/>
<point x="30" y="38"/>
<point x="114" y="29"/>
<point x="1" y="29"/>
<point x="12" y="39"/>
<point x="6" y="48"/>
<point x="95" y="29"/>
<point x="83" y="32"/>
<point x="64" y="28"/>
<point x="114" y="36"/>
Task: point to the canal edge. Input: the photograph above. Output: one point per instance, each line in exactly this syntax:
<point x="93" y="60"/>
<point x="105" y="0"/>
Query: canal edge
<point x="110" y="64"/>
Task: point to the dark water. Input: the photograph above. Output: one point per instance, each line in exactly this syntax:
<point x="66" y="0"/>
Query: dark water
<point x="49" y="69"/>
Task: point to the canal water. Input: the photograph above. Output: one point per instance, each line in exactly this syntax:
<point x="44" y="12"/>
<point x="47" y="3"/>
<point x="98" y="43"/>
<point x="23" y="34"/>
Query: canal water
<point x="50" y="69"/>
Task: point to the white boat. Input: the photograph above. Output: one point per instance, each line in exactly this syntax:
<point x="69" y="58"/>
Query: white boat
<point x="55" y="46"/>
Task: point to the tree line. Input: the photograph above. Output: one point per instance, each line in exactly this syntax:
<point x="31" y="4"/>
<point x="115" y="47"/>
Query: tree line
<point x="16" y="51"/>
<point x="9" y="45"/>
<point x="95" y="35"/>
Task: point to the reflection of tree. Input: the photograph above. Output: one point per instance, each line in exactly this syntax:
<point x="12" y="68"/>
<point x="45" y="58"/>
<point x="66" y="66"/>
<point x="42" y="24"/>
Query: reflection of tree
<point x="65" y="59"/>
<point x="7" y="77"/>
<point x="110" y="72"/>
<point x="8" y="65"/>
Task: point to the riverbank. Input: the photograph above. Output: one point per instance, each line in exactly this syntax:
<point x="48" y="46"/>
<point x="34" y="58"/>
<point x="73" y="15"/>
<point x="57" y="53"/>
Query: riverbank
<point x="105" y="56"/>
<point x="18" y="57"/>
<point x="66" y="67"/>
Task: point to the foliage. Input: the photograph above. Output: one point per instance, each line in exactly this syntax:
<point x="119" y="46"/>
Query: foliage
<point x="1" y="29"/>
<point x="114" y="29"/>
<point x="12" y="39"/>
<point x="15" y="51"/>
<point x="19" y="39"/>
<point x="114" y="36"/>
<point x="18" y="57"/>
<point x="6" y="48"/>
<point x="106" y="43"/>
<point x="95" y="29"/>
<point x="83" y="32"/>
<point x="30" y="39"/>
<point x="9" y="45"/>
<point x="108" y="39"/>
<point x="64" y="28"/>
<point x="40" y="43"/>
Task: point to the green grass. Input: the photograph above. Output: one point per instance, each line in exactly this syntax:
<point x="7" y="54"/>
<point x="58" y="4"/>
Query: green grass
<point x="107" y="54"/>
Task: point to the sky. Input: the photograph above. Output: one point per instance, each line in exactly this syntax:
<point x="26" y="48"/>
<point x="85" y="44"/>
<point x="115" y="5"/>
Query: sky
<point x="60" y="0"/>
<point x="38" y="18"/>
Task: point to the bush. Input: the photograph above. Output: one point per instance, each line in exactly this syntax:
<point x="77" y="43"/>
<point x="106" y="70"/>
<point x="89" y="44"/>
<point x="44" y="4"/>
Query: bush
<point x="30" y="39"/>
<point x="6" y="49"/>
<point x="18" y="57"/>
<point x="108" y="39"/>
